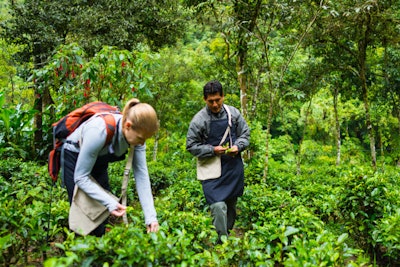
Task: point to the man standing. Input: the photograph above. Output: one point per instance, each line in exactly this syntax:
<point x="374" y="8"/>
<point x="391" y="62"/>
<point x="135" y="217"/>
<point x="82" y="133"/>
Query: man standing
<point x="219" y="130"/>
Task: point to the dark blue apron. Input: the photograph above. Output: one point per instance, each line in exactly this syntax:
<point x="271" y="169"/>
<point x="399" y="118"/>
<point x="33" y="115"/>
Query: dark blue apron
<point x="231" y="182"/>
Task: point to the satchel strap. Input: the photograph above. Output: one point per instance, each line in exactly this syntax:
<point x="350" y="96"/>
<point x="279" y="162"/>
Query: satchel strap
<point x="228" y="129"/>
<point x="126" y="180"/>
<point x="229" y="115"/>
<point x="225" y="135"/>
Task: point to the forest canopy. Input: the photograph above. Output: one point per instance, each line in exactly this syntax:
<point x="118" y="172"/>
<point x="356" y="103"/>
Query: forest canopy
<point x="317" y="81"/>
<point x="295" y="68"/>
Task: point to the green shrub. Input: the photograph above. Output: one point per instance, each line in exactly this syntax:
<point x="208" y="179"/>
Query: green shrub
<point x="365" y="199"/>
<point x="386" y="238"/>
<point x="352" y="152"/>
<point x="17" y="131"/>
<point x="313" y="152"/>
<point x="255" y="161"/>
<point x="281" y="176"/>
<point x="281" y="149"/>
<point x="325" y="250"/>
<point x="24" y="212"/>
<point x="182" y="236"/>
<point x="312" y="219"/>
<point x="9" y="167"/>
<point x="185" y="194"/>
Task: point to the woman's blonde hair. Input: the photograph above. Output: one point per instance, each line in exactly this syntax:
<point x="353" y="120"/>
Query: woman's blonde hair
<point x="142" y="116"/>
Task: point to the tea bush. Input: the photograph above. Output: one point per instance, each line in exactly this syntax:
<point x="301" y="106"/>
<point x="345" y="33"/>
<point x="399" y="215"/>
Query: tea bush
<point x="312" y="219"/>
<point x="255" y="161"/>
<point x="364" y="200"/>
<point x="316" y="153"/>
<point x="289" y="231"/>
<point x="9" y="168"/>
<point x="176" y="242"/>
<point x="386" y="237"/>
<point x="25" y="213"/>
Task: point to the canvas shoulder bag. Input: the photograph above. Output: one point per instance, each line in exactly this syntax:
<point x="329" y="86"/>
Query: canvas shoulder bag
<point x="210" y="167"/>
<point x="86" y="213"/>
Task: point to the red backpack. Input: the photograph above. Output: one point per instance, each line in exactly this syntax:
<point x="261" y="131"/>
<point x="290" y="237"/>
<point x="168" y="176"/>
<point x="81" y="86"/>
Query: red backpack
<point x="66" y="125"/>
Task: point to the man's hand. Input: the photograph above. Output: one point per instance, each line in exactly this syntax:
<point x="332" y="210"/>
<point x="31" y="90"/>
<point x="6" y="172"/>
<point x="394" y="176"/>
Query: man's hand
<point x="233" y="151"/>
<point x="219" y="150"/>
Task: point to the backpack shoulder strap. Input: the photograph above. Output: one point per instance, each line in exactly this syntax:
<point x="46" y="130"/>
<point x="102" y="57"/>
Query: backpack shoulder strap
<point x="110" y="125"/>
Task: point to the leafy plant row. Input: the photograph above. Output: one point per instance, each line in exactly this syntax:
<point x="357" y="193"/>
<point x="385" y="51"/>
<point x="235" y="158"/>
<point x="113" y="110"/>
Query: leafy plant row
<point x="330" y="216"/>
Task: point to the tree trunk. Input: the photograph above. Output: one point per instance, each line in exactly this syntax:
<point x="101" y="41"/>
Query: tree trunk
<point x="155" y="148"/>
<point x="337" y="124"/>
<point x="38" y="121"/>
<point x="362" y="55"/>
<point x="398" y="120"/>
<point x="394" y="95"/>
<point x="242" y="46"/>
<point x="242" y="79"/>
<point x="42" y="101"/>
<point x="269" y="122"/>
<point x="299" y="158"/>
<point x="368" y="118"/>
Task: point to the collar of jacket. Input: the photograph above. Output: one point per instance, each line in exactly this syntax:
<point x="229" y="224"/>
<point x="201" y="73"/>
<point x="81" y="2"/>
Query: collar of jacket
<point x="218" y="115"/>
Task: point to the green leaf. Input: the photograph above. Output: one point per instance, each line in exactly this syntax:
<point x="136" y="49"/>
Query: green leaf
<point x="290" y="231"/>
<point x="342" y="238"/>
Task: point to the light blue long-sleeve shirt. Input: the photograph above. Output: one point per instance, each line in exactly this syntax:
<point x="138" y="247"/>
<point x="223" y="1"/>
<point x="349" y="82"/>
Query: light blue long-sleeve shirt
<point x="91" y="137"/>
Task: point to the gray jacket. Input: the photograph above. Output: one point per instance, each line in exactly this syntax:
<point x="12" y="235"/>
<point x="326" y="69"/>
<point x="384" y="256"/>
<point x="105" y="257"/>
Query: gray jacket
<point x="199" y="130"/>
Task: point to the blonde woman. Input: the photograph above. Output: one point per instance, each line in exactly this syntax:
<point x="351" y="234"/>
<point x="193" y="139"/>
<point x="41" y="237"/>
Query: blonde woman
<point x="85" y="154"/>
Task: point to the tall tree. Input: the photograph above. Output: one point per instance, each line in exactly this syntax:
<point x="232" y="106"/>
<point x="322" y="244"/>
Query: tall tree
<point x="282" y="65"/>
<point x="43" y="25"/>
<point x="348" y="30"/>
<point x="389" y="72"/>
<point x="40" y="27"/>
<point x="254" y="34"/>
<point x="125" y="24"/>
<point x="236" y="21"/>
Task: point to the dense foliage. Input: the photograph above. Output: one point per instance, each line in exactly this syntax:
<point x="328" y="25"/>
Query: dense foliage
<point x="317" y="81"/>
<point x="328" y="216"/>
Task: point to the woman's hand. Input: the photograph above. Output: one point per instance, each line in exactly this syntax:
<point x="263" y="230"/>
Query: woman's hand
<point x="152" y="227"/>
<point x="121" y="209"/>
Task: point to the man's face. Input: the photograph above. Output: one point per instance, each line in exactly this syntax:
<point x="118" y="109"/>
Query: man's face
<point x="214" y="102"/>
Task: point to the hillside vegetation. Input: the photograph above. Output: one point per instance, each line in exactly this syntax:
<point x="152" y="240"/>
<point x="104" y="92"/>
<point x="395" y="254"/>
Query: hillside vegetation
<point x="327" y="216"/>
<point x="317" y="81"/>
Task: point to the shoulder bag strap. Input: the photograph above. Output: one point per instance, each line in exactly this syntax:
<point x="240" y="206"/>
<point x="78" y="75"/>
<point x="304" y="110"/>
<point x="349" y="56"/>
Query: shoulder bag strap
<point x="225" y="135"/>
<point x="228" y="129"/>
<point x="229" y="115"/>
<point x="126" y="180"/>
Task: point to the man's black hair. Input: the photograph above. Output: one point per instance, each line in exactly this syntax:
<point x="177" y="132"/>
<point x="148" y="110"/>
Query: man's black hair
<point x="211" y="88"/>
